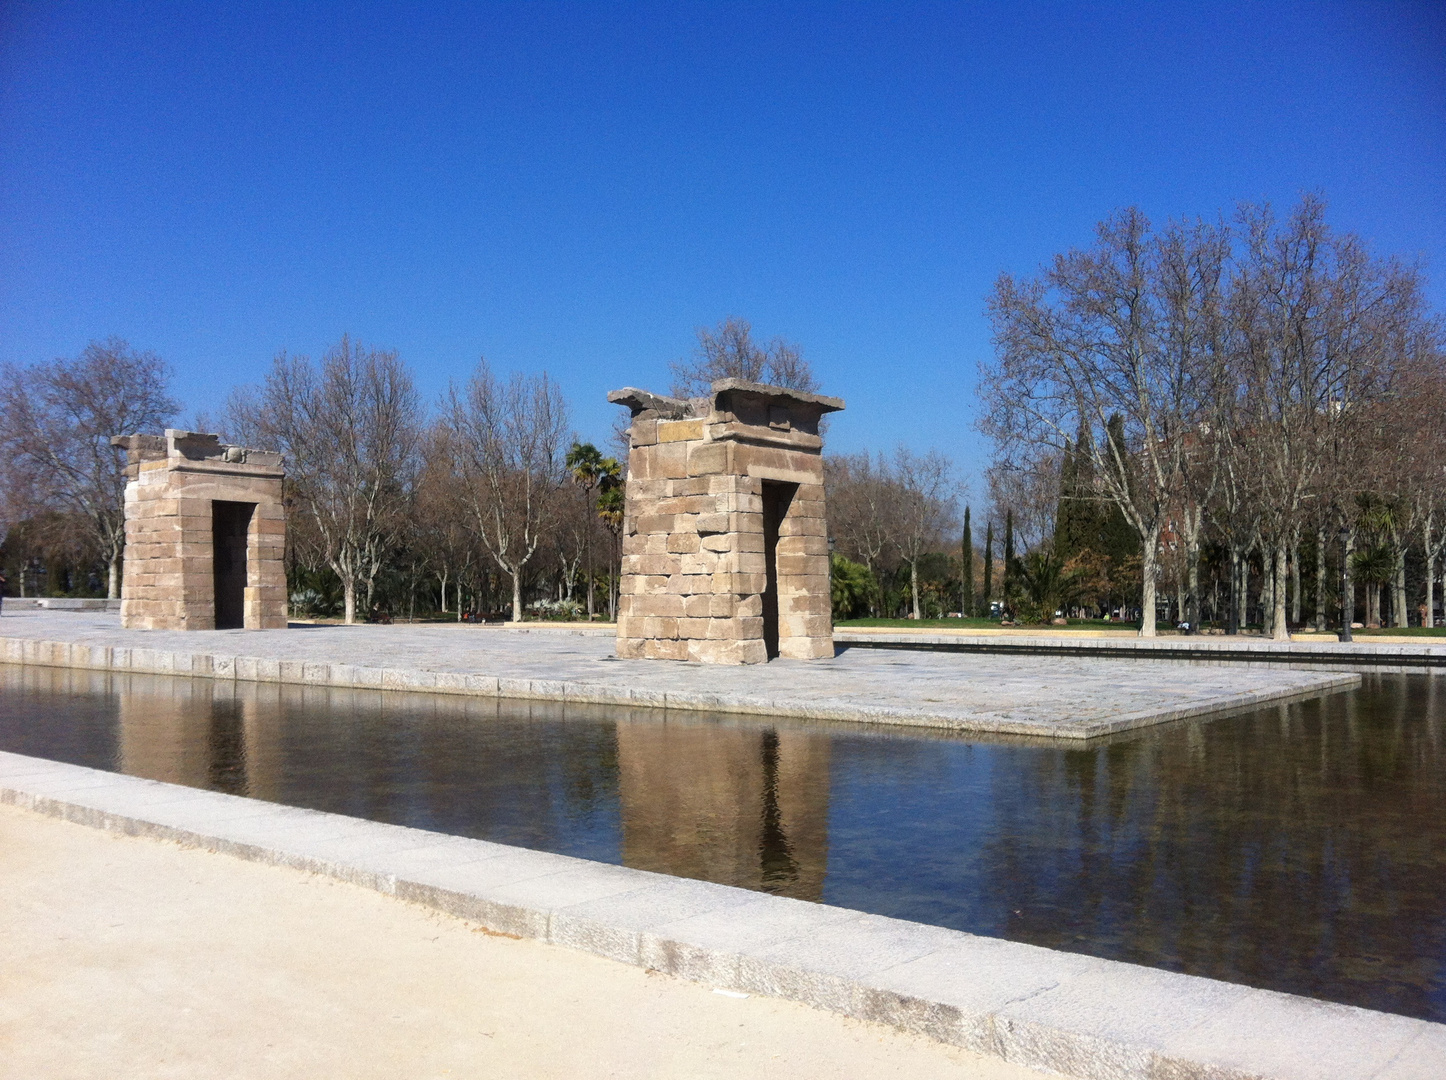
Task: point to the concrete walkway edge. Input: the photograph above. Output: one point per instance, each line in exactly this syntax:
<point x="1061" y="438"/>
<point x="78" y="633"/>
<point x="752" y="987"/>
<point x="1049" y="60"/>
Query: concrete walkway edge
<point x="1403" y="658"/>
<point x="1051" y="1010"/>
<point x="66" y="654"/>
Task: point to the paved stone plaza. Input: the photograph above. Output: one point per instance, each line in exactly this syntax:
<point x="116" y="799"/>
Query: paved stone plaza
<point x="1044" y="696"/>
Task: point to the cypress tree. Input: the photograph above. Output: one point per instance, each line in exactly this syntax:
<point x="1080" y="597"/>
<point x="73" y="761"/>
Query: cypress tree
<point x="966" y="555"/>
<point x="1064" y="505"/>
<point x="1008" y="554"/>
<point x="988" y="566"/>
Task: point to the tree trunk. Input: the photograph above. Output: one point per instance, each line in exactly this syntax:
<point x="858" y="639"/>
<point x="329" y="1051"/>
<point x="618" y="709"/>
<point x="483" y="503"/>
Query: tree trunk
<point x="1267" y="589"/>
<point x="1373" y="605"/>
<point x="516" y="594"/>
<point x="444" y="592"/>
<point x="1320" y="580"/>
<point x="1233" y="619"/>
<point x="348" y="593"/>
<point x="1429" y="620"/>
<point x="1295" y="579"/>
<point x="587" y="546"/>
<point x="1148" y="556"/>
<point x="1348" y="580"/>
<point x="914" y="586"/>
<point x="615" y="572"/>
<point x="1192" y="581"/>
<point x="112" y="586"/>
<point x="1400" y="615"/>
<point x="1280" y="630"/>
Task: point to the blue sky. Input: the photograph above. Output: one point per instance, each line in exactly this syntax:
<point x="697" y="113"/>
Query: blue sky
<point x="577" y="187"/>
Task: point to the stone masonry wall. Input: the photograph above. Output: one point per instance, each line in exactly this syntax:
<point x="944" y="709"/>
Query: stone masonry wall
<point x="169" y="555"/>
<point x="694" y="569"/>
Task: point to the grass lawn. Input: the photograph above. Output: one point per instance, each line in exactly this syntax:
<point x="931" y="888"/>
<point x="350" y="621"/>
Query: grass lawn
<point x="1404" y="631"/>
<point x="976" y="624"/>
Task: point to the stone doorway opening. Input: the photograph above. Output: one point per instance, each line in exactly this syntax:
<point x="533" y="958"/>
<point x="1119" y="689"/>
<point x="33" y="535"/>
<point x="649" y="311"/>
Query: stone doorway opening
<point x="777" y="497"/>
<point x="230" y="524"/>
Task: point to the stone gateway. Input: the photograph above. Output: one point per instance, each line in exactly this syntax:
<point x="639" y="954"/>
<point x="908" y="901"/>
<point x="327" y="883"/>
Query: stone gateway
<point x="725" y="541"/>
<point x="205" y="535"/>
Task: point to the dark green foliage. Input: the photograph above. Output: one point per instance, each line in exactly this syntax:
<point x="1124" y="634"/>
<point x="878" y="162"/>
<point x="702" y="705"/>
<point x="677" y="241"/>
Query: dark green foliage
<point x="851" y="587"/>
<point x="988" y="566"/>
<point x="1374" y="565"/>
<point x="1044" y="586"/>
<point x="1090" y="531"/>
<point x="966" y="569"/>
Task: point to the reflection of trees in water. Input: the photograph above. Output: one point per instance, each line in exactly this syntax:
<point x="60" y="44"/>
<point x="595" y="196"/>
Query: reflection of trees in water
<point x="28" y="698"/>
<point x="507" y="772"/>
<point x="739" y="805"/>
<point x="1300" y="847"/>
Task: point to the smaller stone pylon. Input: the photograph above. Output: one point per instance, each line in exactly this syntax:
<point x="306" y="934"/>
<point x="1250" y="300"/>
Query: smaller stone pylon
<point x="205" y="534"/>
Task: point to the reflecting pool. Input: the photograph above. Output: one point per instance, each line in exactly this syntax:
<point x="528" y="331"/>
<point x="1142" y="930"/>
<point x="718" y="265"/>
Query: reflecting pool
<point x="1299" y="847"/>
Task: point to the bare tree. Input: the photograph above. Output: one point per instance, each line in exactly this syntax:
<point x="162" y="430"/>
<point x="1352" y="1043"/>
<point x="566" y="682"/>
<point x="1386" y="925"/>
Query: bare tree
<point x="924" y="507"/>
<point x="1319" y="328"/>
<point x="510" y="440"/>
<point x="1113" y="332"/>
<point x="56" y="421"/>
<point x="862" y="501"/>
<point x="438" y="525"/>
<point x="728" y="351"/>
<point x="349" y="428"/>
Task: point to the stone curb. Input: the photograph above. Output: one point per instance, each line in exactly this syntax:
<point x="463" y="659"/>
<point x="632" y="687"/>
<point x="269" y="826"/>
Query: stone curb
<point x="1340" y="656"/>
<point x="67" y="654"/>
<point x="1074" y="1014"/>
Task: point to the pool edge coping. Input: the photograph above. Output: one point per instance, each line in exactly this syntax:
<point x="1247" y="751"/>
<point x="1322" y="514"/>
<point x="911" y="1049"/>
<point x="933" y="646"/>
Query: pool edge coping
<point x="137" y="660"/>
<point x="1042" y="1008"/>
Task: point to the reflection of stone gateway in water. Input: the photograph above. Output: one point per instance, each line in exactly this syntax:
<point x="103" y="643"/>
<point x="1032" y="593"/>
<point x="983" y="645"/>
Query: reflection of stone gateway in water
<point x="725" y="542"/>
<point x="737" y="806"/>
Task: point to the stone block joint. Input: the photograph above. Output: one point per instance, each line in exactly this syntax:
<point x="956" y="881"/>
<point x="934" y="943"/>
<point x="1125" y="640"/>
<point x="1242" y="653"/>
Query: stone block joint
<point x="724" y="533"/>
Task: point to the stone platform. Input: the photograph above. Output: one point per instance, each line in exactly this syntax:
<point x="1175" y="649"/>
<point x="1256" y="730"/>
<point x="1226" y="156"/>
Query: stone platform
<point x="1036" y="696"/>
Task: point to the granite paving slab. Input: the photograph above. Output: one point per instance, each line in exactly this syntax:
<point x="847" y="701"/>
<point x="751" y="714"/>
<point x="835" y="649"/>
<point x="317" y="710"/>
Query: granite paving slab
<point x="1073" y="1014"/>
<point x="1050" y="696"/>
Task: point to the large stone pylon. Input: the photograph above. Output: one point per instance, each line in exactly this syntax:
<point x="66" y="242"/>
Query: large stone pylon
<point x="725" y="540"/>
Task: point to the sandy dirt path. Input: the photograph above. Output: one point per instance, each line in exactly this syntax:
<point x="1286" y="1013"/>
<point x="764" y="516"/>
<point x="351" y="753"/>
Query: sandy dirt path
<point x="122" y="957"/>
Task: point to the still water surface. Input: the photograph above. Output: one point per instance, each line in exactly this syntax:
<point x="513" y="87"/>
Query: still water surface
<point x="1300" y="847"/>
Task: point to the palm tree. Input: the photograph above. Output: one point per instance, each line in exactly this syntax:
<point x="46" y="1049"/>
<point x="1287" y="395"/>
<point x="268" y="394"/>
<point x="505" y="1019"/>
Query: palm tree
<point x="1046" y="584"/>
<point x="610" y="503"/>
<point x="585" y="463"/>
<point x="1376" y="566"/>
